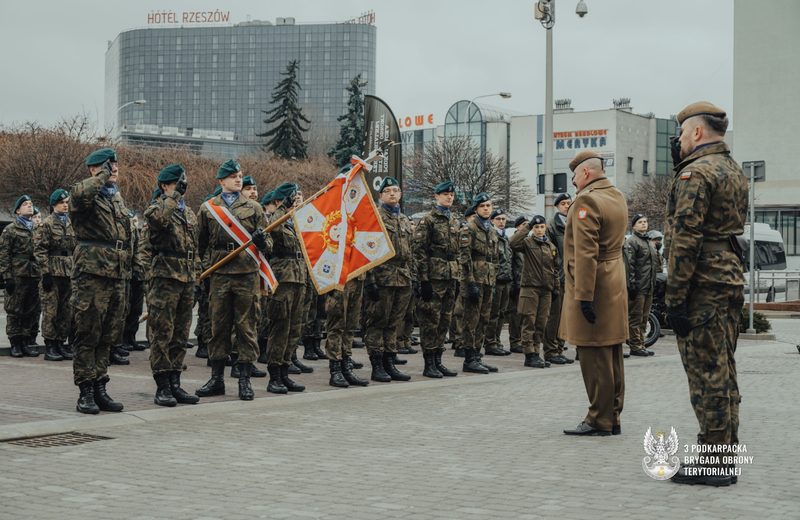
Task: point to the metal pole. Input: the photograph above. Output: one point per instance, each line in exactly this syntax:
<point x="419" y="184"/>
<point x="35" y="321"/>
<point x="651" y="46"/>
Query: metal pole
<point x="750" y="329"/>
<point x="549" y="210"/>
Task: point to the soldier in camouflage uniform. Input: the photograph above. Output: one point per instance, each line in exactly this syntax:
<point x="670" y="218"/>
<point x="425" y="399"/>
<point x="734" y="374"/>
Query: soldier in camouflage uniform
<point x="502" y="288"/>
<point x="285" y="305"/>
<point x="234" y="288"/>
<point x="172" y="271"/>
<point x="249" y="188"/>
<point x="37" y="221"/>
<point x="457" y="323"/>
<point x="19" y="269"/>
<point x="343" y="309"/>
<point x="479" y="259"/>
<point x="101" y="264"/>
<point x="53" y="251"/>
<point x="436" y="248"/>
<point x="202" y="329"/>
<point x="514" y="318"/>
<point x="263" y="320"/>
<point x="136" y="292"/>
<point x="706" y="210"/>
<point x="553" y="345"/>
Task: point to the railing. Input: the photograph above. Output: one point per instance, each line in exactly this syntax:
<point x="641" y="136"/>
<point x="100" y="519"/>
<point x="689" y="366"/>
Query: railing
<point x="776" y="286"/>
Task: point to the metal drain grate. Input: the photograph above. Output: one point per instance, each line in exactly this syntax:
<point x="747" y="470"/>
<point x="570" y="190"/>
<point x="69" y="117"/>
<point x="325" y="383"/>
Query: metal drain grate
<point x="60" y="439"/>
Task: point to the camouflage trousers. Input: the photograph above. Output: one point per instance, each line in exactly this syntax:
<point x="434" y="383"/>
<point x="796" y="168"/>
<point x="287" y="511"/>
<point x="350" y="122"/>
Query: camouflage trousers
<point x="136" y="292"/>
<point x="56" y="311"/>
<point x="435" y="315"/>
<point x="285" y="311"/>
<point x="343" y="309"/>
<point x="202" y="329"/>
<point x="638" y="313"/>
<point x="263" y="319"/>
<point x="313" y="312"/>
<point x="553" y="345"/>
<point x="708" y="359"/>
<point x="476" y="317"/>
<point x="37" y="315"/>
<point x="22" y="308"/>
<point x="233" y="306"/>
<point x="169" y="303"/>
<point x="385" y="317"/>
<point x="497" y="316"/>
<point x="407" y="328"/>
<point x="98" y="303"/>
<point x="533" y="309"/>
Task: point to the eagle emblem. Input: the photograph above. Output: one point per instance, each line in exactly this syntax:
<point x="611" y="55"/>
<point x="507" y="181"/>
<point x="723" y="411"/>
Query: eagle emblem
<point x="660" y="466"/>
<point x="582" y="214"/>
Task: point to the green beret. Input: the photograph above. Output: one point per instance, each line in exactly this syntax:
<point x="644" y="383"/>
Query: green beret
<point x="171" y="173"/>
<point x="496" y="213"/>
<point x="446" y="186"/>
<point x="388" y="181"/>
<point x="287" y="189"/>
<point x="228" y="168"/>
<point x="469" y="211"/>
<point x="36" y="210"/>
<point x="20" y="200"/>
<point x="267" y="198"/>
<point x="248" y="181"/>
<point x="58" y="196"/>
<point x="101" y="156"/>
<point x="481" y="198"/>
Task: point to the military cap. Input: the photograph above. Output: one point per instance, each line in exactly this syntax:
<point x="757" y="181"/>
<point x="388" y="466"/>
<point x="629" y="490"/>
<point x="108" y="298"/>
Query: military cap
<point x="287" y="189"/>
<point x="519" y="221"/>
<point x="562" y="196"/>
<point x="100" y="156"/>
<point x="248" y="180"/>
<point x="538" y="219"/>
<point x="388" y="181"/>
<point x="267" y="198"/>
<point x="469" y="211"/>
<point x="636" y="217"/>
<point x="171" y="173"/>
<point x="20" y="200"/>
<point x="58" y="196"/>
<point x="701" y="108"/>
<point x="496" y="213"/>
<point x="228" y="168"/>
<point x="446" y="186"/>
<point x="36" y="210"/>
<point x="481" y="198"/>
<point x="583" y="156"/>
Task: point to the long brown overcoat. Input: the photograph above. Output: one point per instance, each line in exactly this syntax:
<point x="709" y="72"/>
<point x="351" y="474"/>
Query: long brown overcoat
<point x="594" y="267"/>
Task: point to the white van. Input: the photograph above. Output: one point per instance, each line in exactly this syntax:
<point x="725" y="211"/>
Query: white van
<point x="770" y="256"/>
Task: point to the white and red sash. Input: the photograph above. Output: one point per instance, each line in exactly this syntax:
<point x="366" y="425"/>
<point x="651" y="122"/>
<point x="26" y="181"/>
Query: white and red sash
<point x="231" y="224"/>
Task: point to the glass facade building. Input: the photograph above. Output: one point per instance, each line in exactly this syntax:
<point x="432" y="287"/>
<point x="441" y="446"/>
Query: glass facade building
<point x="210" y="84"/>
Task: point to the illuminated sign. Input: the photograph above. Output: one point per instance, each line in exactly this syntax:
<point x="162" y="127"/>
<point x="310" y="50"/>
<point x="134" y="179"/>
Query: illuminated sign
<point x="367" y="18"/>
<point x="156" y="18"/>
<point x="417" y="121"/>
<point x="580" y="139"/>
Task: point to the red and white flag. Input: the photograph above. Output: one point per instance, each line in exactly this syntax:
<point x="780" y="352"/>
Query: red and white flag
<point x="342" y="233"/>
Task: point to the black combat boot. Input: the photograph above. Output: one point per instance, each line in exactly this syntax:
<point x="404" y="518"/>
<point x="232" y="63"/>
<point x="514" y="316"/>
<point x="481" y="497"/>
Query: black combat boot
<point x="349" y="375"/>
<point x="51" y="352"/>
<point x="232" y="359"/>
<point x="391" y="370"/>
<point x="138" y="347"/>
<point x="179" y="393"/>
<point x="126" y="344"/>
<point x="16" y="347"/>
<point x="202" y="349"/>
<point x="86" y="402"/>
<point x="26" y="348"/>
<point x="293" y="370"/>
<point x="309" y="350"/>
<point x="471" y="363"/>
<point x="122" y="352"/>
<point x="103" y="400"/>
<point x="459" y="352"/>
<point x="533" y="360"/>
<point x="262" y="351"/>
<point x="414" y="340"/>
<point x="288" y="383"/>
<point x="337" y="379"/>
<point x="257" y="372"/>
<point x="318" y="349"/>
<point x="236" y="370"/>
<point x="164" y="395"/>
<point x="399" y="361"/>
<point x="479" y="357"/>
<point x="378" y="373"/>
<point x="215" y="385"/>
<point x="114" y="358"/>
<point x="430" y="365"/>
<point x="245" y="389"/>
<point x="305" y="369"/>
<point x="32" y="341"/>
<point x="358" y="344"/>
<point x="275" y="384"/>
<point x="437" y="359"/>
<point x="63" y="350"/>
<point x="356" y="365"/>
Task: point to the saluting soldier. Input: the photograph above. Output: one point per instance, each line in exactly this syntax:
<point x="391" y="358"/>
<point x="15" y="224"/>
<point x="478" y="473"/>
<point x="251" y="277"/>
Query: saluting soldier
<point x="53" y="251"/>
<point x="234" y="288"/>
<point x="479" y="260"/>
<point x="595" y="312"/>
<point x="553" y="345"/>
<point x="101" y="266"/>
<point x="21" y="272"/>
<point x="172" y="236"/>
<point x="706" y="210"/>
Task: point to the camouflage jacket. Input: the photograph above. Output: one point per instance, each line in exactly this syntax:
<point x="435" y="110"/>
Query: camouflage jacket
<point x="707" y="203"/>
<point x="641" y="263"/>
<point x="96" y="217"/>
<point x="137" y="271"/>
<point x="398" y="271"/>
<point x="213" y="240"/>
<point x="172" y="237"/>
<point x="54" y="246"/>
<point x="436" y="247"/>
<point x="540" y="257"/>
<point x="16" y="252"/>
<point x="479" y="253"/>
<point x="146" y="250"/>
<point x="506" y="259"/>
<point x="286" y="260"/>
<point x="555" y="234"/>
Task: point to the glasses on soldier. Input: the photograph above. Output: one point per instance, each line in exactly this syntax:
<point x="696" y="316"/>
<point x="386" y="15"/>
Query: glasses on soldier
<point x="391" y="190"/>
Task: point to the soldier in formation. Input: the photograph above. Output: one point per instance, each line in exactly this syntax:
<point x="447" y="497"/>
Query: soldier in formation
<point x="553" y="345"/>
<point x="642" y="263"/>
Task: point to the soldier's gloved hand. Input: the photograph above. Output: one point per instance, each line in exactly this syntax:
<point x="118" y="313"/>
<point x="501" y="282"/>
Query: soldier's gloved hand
<point x="675" y="149"/>
<point x="47" y="282"/>
<point x="181" y="186"/>
<point x="10" y="286"/>
<point x="207" y="283"/>
<point x="474" y="293"/>
<point x="287" y="203"/>
<point x="107" y="167"/>
<point x="587" y="308"/>
<point x="427" y="291"/>
<point x="657" y="245"/>
<point x="372" y="292"/>
<point x="678" y="317"/>
<point x="259" y="239"/>
<point x="633" y="293"/>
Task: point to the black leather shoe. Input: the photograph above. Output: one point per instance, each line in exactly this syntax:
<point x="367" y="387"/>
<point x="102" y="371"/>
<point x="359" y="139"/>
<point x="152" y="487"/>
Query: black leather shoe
<point x="115" y="359"/>
<point x="257" y="372"/>
<point x="236" y="370"/>
<point x="64" y="350"/>
<point x="378" y="373"/>
<point x="391" y="370"/>
<point x="309" y="353"/>
<point x="354" y="365"/>
<point x="303" y="368"/>
<point x="399" y="361"/>
<point x="16" y="352"/>
<point x="103" y="400"/>
<point x="497" y="352"/>
<point x="558" y="360"/>
<point x="86" y="402"/>
<point x="616" y="430"/>
<point x="180" y="395"/>
<point x="202" y="350"/>
<point x="245" y="388"/>
<point x="459" y="353"/>
<point x="163" y="390"/>
<point x="430" y="367"/>
<point x="685" y="475"/>
<point x="318" y="349"/>
<point x="358" y="344"/>
<point x="641" y="352"/>
<point x="293" y="370"/>
<point x="625" y="355"/>
<point x="337" y="379"/>
<point x="51" y="352"/>
<point x="288" y="383"/>
<point x="479" y="357"/>
<point x="349" y="375"/>
<point x="517" y="350"/>
<point x="533" y="360"/>
<point x="585" y="429"/>
<point x="568" y="360"/>
<point x="275" y="384"/>
<point x="472" y="364"/>
<point x="437" y="359"/>
<point x="650" y="352"/>
<point x="215" y="385"/>
<point x="27" y="349"/>
<point x="414" y="340"/>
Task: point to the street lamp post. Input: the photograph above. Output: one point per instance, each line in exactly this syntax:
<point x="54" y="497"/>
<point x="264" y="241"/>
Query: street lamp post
<point x="504" y="95"/>
<point x="129" y="103"/>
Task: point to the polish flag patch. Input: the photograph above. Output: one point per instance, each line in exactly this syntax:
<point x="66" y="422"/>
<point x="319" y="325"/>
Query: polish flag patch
<point x="582" y="213"/>
<point x="686" y="175"/>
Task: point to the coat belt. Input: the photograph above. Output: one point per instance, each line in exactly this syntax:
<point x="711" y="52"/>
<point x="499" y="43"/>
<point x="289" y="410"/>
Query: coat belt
<point x="605" y="256"/>
<point x="443" y="256"/>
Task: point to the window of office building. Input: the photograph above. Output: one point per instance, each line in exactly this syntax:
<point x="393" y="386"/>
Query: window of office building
<point x="327" y="39"/>
<point x="196" y="60"/>
<point x="233" y="79"/>
<point x="215" y="42"/>
<point x="214" y="59"/>
<point x="252" y="60"/>
<point x="178" y="42"/>
<point x="233" y="95"/>
<point x="346" y="55"/>
<point x="307" y="77"/>
<point x="197" y="40"/>
<point x="326" y="96"/>
<point x="213" y="97"/>
<point x="178" y="61"/>
<point x="196" y="98"/>
<point x="177" y="117"/>
<point x="327" y="74"/>
<point x="327" y="58"/>
<point x="665" y="128"/>
<point x="178" y="78"/>
<point x="630" y="164"/>
<point x="233" y="115"/>
<point x="213" y="117"/>
<point x="160" y="80"/>
<point x="141" y="62"/>
<point x="233" y="60"/>
<point x="346" y="37"/>
<point x="159" y="117"/>
<point x="177" y="98"/>
<point x="160" y="98"/>
<point x="540" y="148"/>
<point x="196" y="79"/>
<point x="252" y="41"/>
<point x="251" y="97"/>
<point x="308" y="56"/>
<point x="251" y="115"/>
<point x="307" y="95"/>
<point x="141" y="80"/>
<point x="308" y="40"/>
<point x="161" y="62"/>
<point x="233" y="42"/>
<point x="214" y="79"/>
<point x="251" y="78"/>
<point x="195" y="117"/>
<point x="644" y="168"/>
<point x="160" y="41"/>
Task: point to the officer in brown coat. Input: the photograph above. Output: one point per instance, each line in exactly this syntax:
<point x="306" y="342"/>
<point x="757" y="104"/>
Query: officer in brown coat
<point x="594" y="316"/>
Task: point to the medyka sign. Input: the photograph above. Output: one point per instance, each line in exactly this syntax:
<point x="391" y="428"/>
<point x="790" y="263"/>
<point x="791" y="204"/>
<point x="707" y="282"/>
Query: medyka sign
<point x="190" y="17"/>
<point x="580" y="139"/>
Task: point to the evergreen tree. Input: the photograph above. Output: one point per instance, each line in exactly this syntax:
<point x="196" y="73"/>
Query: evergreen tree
<point x="286" y="139"/>
<point x="351" y="133"/>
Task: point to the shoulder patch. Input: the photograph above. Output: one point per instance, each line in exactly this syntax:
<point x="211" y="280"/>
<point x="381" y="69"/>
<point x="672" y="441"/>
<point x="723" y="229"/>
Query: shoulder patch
<point x="582" y="213"/>
<point x="686" y="175"/>
<point x="41" y="225"/>
<point x="421" y="222"/>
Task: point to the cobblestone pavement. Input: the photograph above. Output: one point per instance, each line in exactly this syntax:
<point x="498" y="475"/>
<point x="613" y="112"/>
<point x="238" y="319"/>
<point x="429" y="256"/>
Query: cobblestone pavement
<point x="470" y="447"/>
<point x="786" y="330"/>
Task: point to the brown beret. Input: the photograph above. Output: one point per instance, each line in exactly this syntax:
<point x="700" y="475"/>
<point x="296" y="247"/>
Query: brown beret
<point x="700" y="108"/>
<point x="581" y="157"/>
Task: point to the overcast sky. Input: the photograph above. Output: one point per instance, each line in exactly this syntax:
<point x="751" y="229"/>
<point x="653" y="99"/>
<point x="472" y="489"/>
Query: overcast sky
<point x="661" y="54"/>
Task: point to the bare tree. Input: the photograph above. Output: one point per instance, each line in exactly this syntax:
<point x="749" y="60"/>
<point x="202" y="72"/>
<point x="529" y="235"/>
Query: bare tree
<point x="649" y="198"/>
